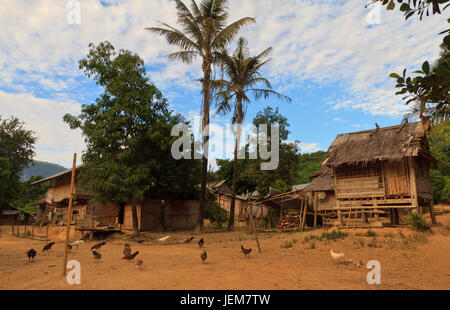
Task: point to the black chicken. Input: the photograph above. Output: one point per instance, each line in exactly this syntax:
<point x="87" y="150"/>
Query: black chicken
<point x="203" y="256"/>
<point x="97" y="256"/>
<point x="98" y="246"/>
<point x="189" y="239"/>
<point x="246" y="251"/>
<point x="48" y="246"/>
<point x="31" y="254"/>
<point x="201" y="243"/>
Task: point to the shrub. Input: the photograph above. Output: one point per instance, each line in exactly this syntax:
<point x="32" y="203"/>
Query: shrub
<point x="287" y="245"/>
<point x="334" y="235"/>
<point x="216" y="214"/>
<point x="370" y="233"/>
<point x="417" y="222"/>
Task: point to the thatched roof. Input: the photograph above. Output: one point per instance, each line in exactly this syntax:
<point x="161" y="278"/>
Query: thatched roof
<point x="323" y="182"/>
<point x="389" y="143"/>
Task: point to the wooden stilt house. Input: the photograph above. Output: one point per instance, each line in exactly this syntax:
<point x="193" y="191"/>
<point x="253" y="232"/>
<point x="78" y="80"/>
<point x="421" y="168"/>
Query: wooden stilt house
<point x="385" y="169"/>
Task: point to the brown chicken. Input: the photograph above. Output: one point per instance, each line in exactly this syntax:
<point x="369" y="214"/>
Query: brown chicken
<point x="130" y="257"/>
<point x="189" y="240"/>
<point x="201" y="243"/>
<point x="139" y="264"/>
<point x="246" y="251"/>
<point x="127" y="249"/>
<point x="203" y="256"/>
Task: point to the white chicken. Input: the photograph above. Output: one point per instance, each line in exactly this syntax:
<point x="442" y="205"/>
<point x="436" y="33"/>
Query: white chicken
<point x="336" y="256"/>
<point x="164" y="239"/>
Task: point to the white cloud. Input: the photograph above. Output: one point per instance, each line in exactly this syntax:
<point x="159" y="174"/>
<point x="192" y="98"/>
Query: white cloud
<point x="55" y="141"/>
<point x="309" y="147"/>
<point x="315" y="43"/>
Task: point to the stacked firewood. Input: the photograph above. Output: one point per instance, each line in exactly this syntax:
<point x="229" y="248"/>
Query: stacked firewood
<point x="289" y="221"/>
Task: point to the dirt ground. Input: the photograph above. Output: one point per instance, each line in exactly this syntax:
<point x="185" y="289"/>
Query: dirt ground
<point x="409" y="260"/>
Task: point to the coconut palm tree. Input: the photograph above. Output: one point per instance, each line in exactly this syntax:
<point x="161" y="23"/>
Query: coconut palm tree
<point x="244" y="81"/>
<point x="203" y="32"/>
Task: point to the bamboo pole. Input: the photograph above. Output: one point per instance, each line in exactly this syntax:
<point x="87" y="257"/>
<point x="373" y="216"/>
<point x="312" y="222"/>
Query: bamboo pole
<point x="254" y="228"/>
<point x="69" y="211"/>
<point x="304" y="214"/>
<point x="316" y="205"/>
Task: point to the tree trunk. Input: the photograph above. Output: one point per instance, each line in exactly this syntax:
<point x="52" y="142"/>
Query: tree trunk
<point x="135" y="218"/>
<point x="162" y="216"/>
<point x="235" y="166"/>
<point x="205" y="124"/>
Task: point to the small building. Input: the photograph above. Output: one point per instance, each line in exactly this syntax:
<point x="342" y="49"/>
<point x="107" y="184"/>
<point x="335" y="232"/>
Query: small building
<point x="321" y="190"/>
<point x="224" y="196"/>
<point x="382" y="169"/>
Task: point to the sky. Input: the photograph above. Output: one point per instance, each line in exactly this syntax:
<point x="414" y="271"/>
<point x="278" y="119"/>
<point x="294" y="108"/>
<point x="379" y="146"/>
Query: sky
<point x="327" y="57"/>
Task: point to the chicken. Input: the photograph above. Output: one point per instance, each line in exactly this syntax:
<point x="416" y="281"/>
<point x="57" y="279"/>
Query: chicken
<point x="164" y="239"/>
<point x="48" y="246"/>
<point x="336" y="256"/>
<point x="189" y="239"/>
<point x="97" y="256"/>
<point x="201" y="243"/>
<point x="246" y="251"/>
<point x="139" y="264"/>
<point x="127" y="249"/>
<point x="98" y="246"/>
<point x="31" y="254"/>
<point x="130" y="257"/>
<point x="77" y="243"/>
<point x="203" y="256"/>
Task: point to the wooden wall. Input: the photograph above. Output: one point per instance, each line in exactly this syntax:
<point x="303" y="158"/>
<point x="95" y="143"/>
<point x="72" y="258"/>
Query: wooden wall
<point x="224" y="202"/>
<point x="179" y="215"/>
<point x="359" y="181"/>
<point x="328" y="202"/>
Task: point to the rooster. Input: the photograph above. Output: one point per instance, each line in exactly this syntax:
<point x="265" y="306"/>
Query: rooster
<point x="201" y="243"/>
<point x="31" y="254"/>
<point x="164" y="239"/>
<point x="98" y="246"/>
<point x="189" y="239"/>
<point x="246" y="251"/>
<point x="48" y="246"/>
<point x="336" y="256"/>
<point x="97" y="256"/>
<point x="203" y="256"/>
<point x="130" y="257"/>
<point x="127" y="249"/>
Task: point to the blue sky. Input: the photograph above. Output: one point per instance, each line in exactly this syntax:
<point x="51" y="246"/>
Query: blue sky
<point x="326" y="57"/>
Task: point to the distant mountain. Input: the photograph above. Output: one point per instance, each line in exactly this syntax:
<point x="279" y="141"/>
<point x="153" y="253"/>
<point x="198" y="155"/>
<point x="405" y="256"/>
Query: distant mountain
<point x="41" y="168"/>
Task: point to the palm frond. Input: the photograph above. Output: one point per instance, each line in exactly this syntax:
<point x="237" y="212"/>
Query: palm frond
<point x="184" y="56"/>
<point x="265" y="93"/>
<point x="227" y="35"/>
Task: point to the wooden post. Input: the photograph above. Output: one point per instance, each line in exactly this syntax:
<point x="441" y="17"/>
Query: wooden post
<point x="432" y="215"/>
<point x="69" y="213"/>
<point x="413" y="185"/>
<point x="305" y="208"/>
<point x="254" y="228"/>
<point x="300" y="214"/>
<point x="316" y="205"/>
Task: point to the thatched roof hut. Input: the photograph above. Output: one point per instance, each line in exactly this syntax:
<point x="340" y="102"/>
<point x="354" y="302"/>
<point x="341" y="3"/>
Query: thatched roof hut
<point x="389" y="143"/>
<point x="380" y="168"/>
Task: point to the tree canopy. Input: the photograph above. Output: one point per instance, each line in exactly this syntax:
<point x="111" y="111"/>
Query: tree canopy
<point x="128" y="133"/>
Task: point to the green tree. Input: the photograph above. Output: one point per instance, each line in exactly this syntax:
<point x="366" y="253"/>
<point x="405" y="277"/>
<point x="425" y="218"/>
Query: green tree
<point x="127" y="132"/>
<point x="411" y="7"/>
<point x="439" y="141"/>
<point x="16" y="153"/>
<point x="243" y="79"/>
<point x="309" y="164"/>
<point x="203" y="33"/>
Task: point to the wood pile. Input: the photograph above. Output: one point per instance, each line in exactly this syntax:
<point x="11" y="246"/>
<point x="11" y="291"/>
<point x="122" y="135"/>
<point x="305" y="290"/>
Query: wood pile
<point x="289" y="221"/>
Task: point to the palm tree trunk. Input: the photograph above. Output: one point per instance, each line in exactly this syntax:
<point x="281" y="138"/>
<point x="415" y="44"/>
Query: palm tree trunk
<point x="206" y="103"/>
<point x="235" y="165"/>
